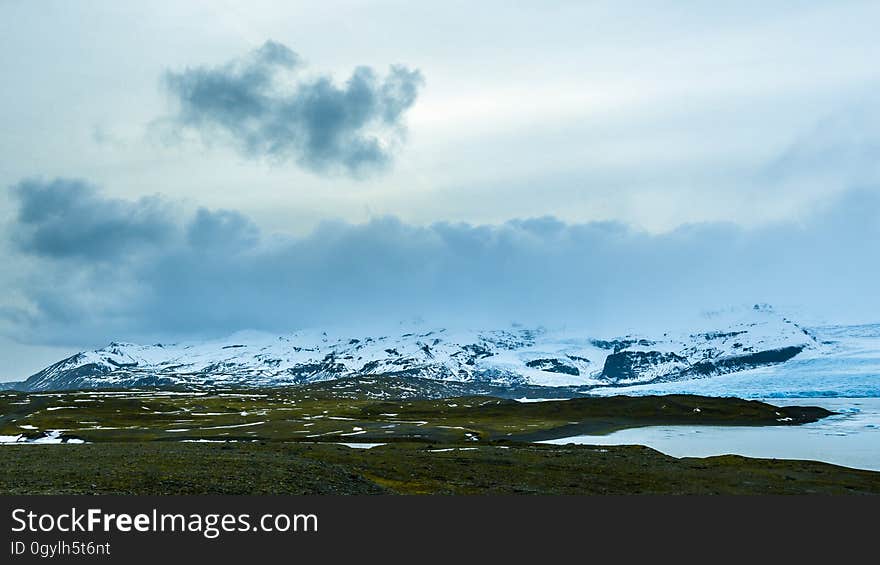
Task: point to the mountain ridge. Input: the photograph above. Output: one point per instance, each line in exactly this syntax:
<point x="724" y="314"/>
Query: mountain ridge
<point x="509" y="357"/>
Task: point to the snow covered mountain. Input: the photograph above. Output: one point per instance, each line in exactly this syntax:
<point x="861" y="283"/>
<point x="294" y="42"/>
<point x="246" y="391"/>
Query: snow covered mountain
<point x="729" y="342"/>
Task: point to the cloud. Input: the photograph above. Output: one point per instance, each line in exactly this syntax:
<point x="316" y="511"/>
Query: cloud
<point x="214" y="272"/>
<point x="67" y="218"/>
<point x="265" y="108"/>
<point x="221" y="230"/>
<point x="840" y="150"/>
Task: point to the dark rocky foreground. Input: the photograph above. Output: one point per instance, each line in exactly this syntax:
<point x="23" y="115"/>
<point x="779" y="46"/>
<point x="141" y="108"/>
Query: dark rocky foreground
<point x="286" y="441"/>
<point x="405" y="468"/>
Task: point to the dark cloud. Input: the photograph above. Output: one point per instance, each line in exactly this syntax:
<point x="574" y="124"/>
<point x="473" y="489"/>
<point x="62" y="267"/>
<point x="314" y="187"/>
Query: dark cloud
<point x="322" y="126"/>
<point x="66" y="218"/>
<point x="214" y="273"/>
<point x="222" y="230"/>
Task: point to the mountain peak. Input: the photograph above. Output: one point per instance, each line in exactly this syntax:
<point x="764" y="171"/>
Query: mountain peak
<point x="736" y="339"/>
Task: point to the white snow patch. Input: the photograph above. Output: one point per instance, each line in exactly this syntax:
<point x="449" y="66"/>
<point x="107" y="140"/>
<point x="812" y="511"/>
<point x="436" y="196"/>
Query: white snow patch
<point x="360" y="445"/>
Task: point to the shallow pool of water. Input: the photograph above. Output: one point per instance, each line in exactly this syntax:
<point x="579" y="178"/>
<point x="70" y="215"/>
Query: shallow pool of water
<point x="850" y="438"/>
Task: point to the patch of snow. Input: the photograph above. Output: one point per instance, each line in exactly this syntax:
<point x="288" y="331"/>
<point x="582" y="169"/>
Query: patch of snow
<point x="361" y="445"/>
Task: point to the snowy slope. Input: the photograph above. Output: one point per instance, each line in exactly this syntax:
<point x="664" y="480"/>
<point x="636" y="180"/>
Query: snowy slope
<point x="726" y="342"/>
<point x="846" y="365"/>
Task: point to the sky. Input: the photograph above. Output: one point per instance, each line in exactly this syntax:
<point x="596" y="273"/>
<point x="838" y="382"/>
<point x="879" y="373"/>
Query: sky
<point x="180" y="170"/>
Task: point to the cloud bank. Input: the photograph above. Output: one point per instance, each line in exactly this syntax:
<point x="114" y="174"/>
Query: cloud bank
<point x="67" y="218"/>
<point x="95" y="269"/>
<point x="264" y="107"/>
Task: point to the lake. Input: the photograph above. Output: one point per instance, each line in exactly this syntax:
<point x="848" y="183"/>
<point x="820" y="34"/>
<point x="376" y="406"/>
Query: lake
<point x="850" y="438"/>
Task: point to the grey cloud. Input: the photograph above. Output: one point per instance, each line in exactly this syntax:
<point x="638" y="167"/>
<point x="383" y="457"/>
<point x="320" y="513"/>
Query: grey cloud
<point x="214" y="273"/>
<point x="221" y="229"/>
<point x="324" y="127"/>
<point x="274" y="53"/>
<point x="67" y="218"/>
<point x="841" y="150"/>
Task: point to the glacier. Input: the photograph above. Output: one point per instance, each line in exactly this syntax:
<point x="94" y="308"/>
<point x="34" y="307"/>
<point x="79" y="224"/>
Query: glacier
<point x="847" y="365"/>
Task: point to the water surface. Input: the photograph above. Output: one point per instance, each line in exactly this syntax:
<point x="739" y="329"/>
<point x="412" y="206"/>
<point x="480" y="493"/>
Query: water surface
<point x="850" y="438"/>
